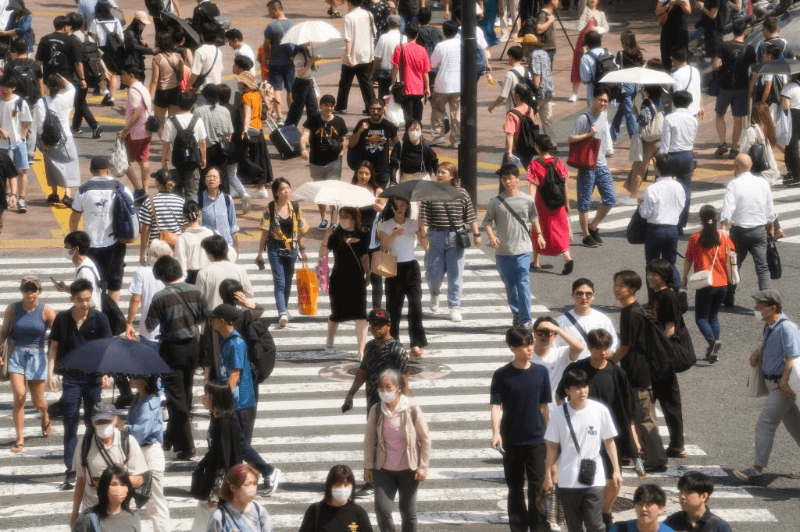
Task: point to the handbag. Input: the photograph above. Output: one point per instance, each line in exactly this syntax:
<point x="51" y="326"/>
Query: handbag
<point x="636" y="152"/>
<point x="383" y="263"/>
<point x="703" y="278"/>
<point x="773" y="260"/>
<point x="637" y="227"/>
<point x="7" y="347"/>
<point x="583" y="154"/>
<point x="731" y="267"/>
<point x="398" y="90"/>
<point x="167" y="236"/>
<point x="462" y="236"/>
<point x="758" y="154"/>
<point x="588" y="468"/>
<point x="653" y="130"/>
<point x="783" y="127"/>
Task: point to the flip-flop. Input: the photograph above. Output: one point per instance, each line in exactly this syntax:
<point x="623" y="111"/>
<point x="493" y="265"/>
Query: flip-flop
<point x="794" y="475"/>
<point x="17" y="448"/>
<point x="47" y="430"/>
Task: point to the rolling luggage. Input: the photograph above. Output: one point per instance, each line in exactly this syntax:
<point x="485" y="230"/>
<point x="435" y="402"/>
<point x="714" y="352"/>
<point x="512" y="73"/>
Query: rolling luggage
<point x="286" y="139"/>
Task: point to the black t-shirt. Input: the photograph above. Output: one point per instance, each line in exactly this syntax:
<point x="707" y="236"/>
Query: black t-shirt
<point x="666" y="308"/>
<point x="376" y="142"/>
<point x="348" y="518"/>
<point x="322" y="135"/>
<point x="377" y="358"/>
<point x="58" y="53"/>
<point x="521" y="392"/>
<point x="736" y="60"/>
<point x="632" y="330"/>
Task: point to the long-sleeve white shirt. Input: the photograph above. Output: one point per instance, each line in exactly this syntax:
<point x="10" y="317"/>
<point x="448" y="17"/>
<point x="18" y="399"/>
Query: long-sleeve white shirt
<point x="680" y="129"/>
<point x="663" y="202"/>
<point x="748" y="202"/>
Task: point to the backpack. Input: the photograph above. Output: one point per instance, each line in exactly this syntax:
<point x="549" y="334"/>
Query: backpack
<point x="261" y="349"/>
<point x="116" y="319"/>
<point x="52" y="132"/>
<point x="527" y="80"/>
<point x="115" y="49"/>
<point x="92" y="61"/>
<point x="221" y="23"/>
<point x="528" y="132"/>
<point x="141" y="494"/>
<point x="553" y="190"/>
<point x="154" y="7"/>
<point x="604" y="64"/>
<point x="27" y="84"/>
<point x="659" y="351"/>
<point x="125" y="217"/>
<point x="185" y="149"/>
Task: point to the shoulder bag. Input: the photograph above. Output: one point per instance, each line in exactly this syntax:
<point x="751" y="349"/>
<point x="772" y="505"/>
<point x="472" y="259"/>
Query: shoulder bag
<point x="152" y="124"/>
<point x="167" y="236"/>
<point x="703" y="278"/>
<point x="577" y="326"/>
<point x="462" y="236"/>
<point x="758" y="152"/>
<point x="514" y="214"/>
<point x="7" y="346"/>
<point x="756" y="387"/>
<point x="652" y="131"/>
<point x="773" y="259"/>
<point x="731" y="266"/>
<point x="383" y="263"/>
<point x="200" y="80"/>
<point x="588" y="467"/>
<point x="637" y="227"/>
<point x="583" y="154"/>
<point x="399" y="88"/>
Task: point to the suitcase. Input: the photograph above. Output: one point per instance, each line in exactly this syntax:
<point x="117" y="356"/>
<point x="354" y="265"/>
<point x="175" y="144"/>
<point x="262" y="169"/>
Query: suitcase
<point x="286" y="139"/>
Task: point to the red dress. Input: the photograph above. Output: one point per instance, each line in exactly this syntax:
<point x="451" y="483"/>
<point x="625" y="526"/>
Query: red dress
<point x="554" y="224"/>
<point x="575" y="75"/>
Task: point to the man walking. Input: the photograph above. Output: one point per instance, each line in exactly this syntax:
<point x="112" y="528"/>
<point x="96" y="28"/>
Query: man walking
<point x="779" y="351"/>
<point x="190" y="156"/>
<point x="281" y="66"/>
<point x="677" y="140"/>
<point x="519" y="395"/>
<point x="384" y="50"/>
<point x="373" y="138"/>
<point x="583" y="319"/>
<point x="510" y="212"/>
<point x="359" y="34"/>
<point x="446" y="58"/>
<point x="410" y="64"/>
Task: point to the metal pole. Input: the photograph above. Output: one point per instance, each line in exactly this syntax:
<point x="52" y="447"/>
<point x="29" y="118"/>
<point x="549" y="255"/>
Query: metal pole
<point x="468" y="150"/>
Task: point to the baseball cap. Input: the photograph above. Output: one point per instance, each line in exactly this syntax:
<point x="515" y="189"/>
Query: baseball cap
<point x="379" y="314"/>
<point x="99" y="162"/>
<point x="770" y="296"/>
<point x="104" y="412"/>
<point x="226" y="312"/>
<point x="31" y="280"/>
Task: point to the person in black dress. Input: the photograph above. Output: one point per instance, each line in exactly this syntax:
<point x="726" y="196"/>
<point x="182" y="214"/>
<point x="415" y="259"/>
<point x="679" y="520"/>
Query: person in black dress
<point x="337" y="512"/>
<point x="675" y="31"/>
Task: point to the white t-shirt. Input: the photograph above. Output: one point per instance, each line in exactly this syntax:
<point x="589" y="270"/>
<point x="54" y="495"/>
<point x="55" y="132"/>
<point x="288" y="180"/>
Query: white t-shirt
<point x="61" y="105"/>
<point x="403" y="245"/>
<point x="246" y="51"/>
<point x="97" y="207"/>
<point x="204" y="62"/>
<point x="509" y="83"/>
<point x="592" y="425"/>
<point x="687" y="78"/>
<point x="555" y="361"/>
<point x="102" y="28"/>
<point x="169" y="133"/>
<point x="385" y="47"/>
<point x="88" y="270"/>
<point x="210" y="277"/>
<point x="146" y="285"/>
<point x="594" y="320"/>
<point x="359" y="31"/>
<point x="792" y="91"/>
<point x="447" y="58"/>
<point x="11" y="119"/>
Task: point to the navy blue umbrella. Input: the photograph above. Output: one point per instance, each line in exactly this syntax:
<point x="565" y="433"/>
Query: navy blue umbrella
<point x="115" y="356"/>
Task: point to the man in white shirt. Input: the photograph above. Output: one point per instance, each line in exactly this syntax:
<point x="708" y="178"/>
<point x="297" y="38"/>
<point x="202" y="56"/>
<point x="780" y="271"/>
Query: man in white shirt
<point x="208" y="61"/>
<point x="15" y="118"/>
<point x="143" y="287"/>
<point x="94" y="202"/>
<point x="514" y="76"/>
<point x="661" y="205"/>
<point x="359" y="34"/>
<point x="382" y="64"/>
<point x="447" y="89"/>
<point x="235" y="40"/>
<point x="677" y="139"/>
<point x="583" y="319"/>
<point x="687" y="78"/>
<point x="188" y="181"/>
<point x="748" y="215"/>
<point x="76" y="249"/>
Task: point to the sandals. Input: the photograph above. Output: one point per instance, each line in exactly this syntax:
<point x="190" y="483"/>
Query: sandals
<point x="47" y="430"/>
<point x="417" y="352"/>
<point x="334" y="14"/>
<point x="17" y="447"/>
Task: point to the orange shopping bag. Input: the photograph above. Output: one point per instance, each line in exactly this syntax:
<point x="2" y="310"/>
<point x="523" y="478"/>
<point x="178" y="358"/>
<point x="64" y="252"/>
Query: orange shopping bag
<point x="307" y="291"/>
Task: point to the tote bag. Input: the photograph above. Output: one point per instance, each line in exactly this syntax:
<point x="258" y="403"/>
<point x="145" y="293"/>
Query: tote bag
<point x="383" y="263"/>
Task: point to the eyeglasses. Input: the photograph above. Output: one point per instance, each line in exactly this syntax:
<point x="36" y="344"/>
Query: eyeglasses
<point x="376" y="110"/>
<point x="545" y="332"/>
<point x="584" y="294"/>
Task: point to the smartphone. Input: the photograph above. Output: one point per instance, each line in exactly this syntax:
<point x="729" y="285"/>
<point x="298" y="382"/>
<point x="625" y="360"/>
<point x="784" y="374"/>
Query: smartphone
<point x="500" y="449"/>
<point x="57" y="283"/>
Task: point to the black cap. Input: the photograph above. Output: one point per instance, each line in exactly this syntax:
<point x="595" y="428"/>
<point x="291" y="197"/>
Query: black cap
<point x="99" y="162"/>
<point x="379" y="314"/>
<point x="227" y="312"/>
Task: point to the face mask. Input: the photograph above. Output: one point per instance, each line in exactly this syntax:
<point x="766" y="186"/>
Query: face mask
<point x="104" y="431"/>
<point x="341" y="495"/>
<point x="387" y="397"/>
<point x="414" y="136"/>
<point x="67" y="253"/>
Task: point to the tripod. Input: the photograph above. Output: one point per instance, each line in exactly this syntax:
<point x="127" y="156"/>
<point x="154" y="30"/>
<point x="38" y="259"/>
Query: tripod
<point x="519" y="16"/>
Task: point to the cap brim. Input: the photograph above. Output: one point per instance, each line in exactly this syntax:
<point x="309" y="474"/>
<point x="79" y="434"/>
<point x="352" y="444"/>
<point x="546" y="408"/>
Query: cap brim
<point x="105" y="416"/>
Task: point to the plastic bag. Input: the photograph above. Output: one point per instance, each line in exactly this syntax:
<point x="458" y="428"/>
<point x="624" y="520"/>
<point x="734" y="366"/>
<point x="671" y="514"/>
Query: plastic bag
<point x="323" y="273"/>
<point x="636" y="152"/>
<point x="783" y="127"/>
<point x="394" y="113"/>
<point x="119" y="158"/>
<point x="307" y="292"/>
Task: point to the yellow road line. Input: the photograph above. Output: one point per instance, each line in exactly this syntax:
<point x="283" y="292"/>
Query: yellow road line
<point x="60" y="212"/>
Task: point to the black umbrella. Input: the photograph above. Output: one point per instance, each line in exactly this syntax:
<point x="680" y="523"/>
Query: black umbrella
<point x="115" y="356"/>
<point x="779" y="66"/>
<point x="171" y="19"/>
<point x="421" y="190"/>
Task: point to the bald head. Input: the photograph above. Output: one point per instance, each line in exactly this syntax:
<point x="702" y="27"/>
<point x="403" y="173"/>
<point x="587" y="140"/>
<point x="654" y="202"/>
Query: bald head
<point x="742" y="163"/>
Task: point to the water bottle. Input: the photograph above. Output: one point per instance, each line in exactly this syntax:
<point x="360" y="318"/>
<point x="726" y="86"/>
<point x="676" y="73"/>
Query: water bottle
<point x="638" y="465"/>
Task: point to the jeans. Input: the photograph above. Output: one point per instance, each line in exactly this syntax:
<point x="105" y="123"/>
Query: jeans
<point x="82" y="110"/>
<point x="707" y="302"/>
<point x="792" y="156"/>
<point x="234" y="180"/>
<point x="387" y="485"/>
<point x="668" y="394"/>
<point x="75" y="391"/>
<point x="661" y="242"/>
<point x="247" y="418"/>
<point x="406" y="18"/>
<point x="412" y="108"/>
<point x="282" y="273"/>
<point x="522" y="461"/>
<point x="583" y="506"/>
<point x="444" y="256"/>
<point x="625" y="112"/>
<point x="684" y="169"/>
<point x="778" y="409"/>
<point x="487" y="24"/>
<point x="361" y="72"/>
<point x="753" y="241"/>
<point x="515" y="272"/>
<point x="302" y="96"/>
<point x="406" y="284"/>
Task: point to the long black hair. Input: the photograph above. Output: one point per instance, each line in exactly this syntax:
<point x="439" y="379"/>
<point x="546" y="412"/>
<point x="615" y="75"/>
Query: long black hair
<point x="102" y="489"/>
<point x="709" y="236"/>
<point x="221" y="399"/>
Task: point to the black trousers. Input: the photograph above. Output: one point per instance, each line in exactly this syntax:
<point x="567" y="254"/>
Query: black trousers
<point x="302" y="97"/>
<point x="412" y="108"/>
<point x="181" y="358"/>
<point x="82" y="110"/>
<point x="792" y="152"/>
<point x="376" y="282"/>
<point x="522" y="461"/>
<point x="360" y="72"/>
<point x="668" y="394"/>
<point x="406" y="284"/>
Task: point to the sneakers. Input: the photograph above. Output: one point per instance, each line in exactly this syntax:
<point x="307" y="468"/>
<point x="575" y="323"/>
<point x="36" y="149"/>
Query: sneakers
<point x="595" y="234"/>
<point x="108" y="101"/>
<point x="283" y="321"/>
<point x="21" y="207"/>
<point x="748" y="475"/>
<point x="627" y="200"/>
<point x="610" y="152"/>
<point x="260" y="194"/>
<point x="437" y="141"/>
<point x="713" y="354"/>
<point x="271" y="483"/>
<point x="590" y="242"/>
<point x="69" y="481"/>
<point x="247" y="205"/>
<point x="733" y="154"/>
<point x="568" y="267"/>
<point x="722" y="149"/>
<point x="187" y="455"/>
<point x="455" y="315"/>
<point x="434" y="303"/>
<point x="96" y="132"/>
<point x="573" y="98"/>
<point x="365" y="492"/>
<point x="330" y="350"/>
<point x="323" y="224"/>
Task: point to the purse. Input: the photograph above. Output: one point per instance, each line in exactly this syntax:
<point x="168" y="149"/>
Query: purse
<point x="731" y="267"/>
<point x="583" y="154"/>
<point x="383" y="263"/>
<point x="7" y="347"/>
<point x="773" y="260"/>
<point x="462" y="236"/>
<point x="703" y="278"/>
<point x="398" y="90"/>
<point x="637" y="227"/>
<point x="588" y="468"/>
<point x="167" y="236"/>
<point x="652" y="131"/>
<point x="758" y="154"/>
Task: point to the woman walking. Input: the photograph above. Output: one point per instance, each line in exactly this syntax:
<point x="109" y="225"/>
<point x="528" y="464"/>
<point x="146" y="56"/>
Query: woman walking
<point x="398" y="235"/>
<point x="762" y="132"/>
<point x="60" y="154"/>
<point x="161" y="217"/>
<point x="438" y="221"/>
<point x="630" y="56"/>
<point x="413" y="157"/>
<point x="524" y="105"/>
<point x="366" y="177"/>
<point x="108" y="34"/>
<point x="282" y="228"/>
<point x="219" y="214"/>
<point x="649" y="125"/>
<point x="26" y="322"/>
<point x="238" y="509"/>
<point x="672" y="15"/>
<point x="165" y="82"/>
<point x="549" y="178"/>
<point x="113" y="508"/>
<point x="254" y="164"/>
<point x="709" y="249"/>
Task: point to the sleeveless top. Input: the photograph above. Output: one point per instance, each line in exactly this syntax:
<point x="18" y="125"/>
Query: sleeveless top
<point x="28" y="328"/>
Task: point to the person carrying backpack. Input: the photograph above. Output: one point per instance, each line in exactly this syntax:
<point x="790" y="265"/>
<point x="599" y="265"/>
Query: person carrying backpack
<point x="548" y="177"/>
<point x="184" y="138"/>
<point x="520" y="130"/>
<point x="30" y="84"/>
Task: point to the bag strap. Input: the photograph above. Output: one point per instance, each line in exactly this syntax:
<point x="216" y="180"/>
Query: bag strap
<point x="691" y="73"/>
<point x="577" y="325"/>
<point x="181" y="299"/>
<point x="95" y="521"/>
<point x="571" y="430"/>
<point x="146" y="108"/>
<point x="513" y="213"/>
<point x="711" y="524"/>
<point x="402" y="63"/>
<point x="450" y="217"/>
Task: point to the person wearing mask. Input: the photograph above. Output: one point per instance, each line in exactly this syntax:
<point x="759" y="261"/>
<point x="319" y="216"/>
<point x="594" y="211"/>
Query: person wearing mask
<point x="372" y="140"/>
<point x="113" y="508"/>
<point x="76" y="249"/>
<point x="413" y="157"/>
<point x="337" y="511"/>
<point x="237" y="505"/>
<point x="677" y="140"/>
<point x="446" y="60"/>
<point x="410" y="65"/>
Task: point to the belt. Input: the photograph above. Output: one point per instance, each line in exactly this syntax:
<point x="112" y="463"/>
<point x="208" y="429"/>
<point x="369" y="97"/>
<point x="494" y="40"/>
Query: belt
<point x="773" y="378"/>
<point x="662" y="225"/>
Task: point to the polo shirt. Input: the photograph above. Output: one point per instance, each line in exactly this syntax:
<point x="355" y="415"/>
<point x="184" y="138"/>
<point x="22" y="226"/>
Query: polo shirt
<point x="782" y="341"/>
<point x="69" y="337"/>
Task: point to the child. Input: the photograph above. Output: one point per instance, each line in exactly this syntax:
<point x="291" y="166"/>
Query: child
<point x="694" y="490"/>
<point x="649" y="501"/>
<point x="15" y="118"/>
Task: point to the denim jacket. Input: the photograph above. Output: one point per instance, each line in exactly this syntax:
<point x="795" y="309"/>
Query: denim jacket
<point x="145" y="422"/>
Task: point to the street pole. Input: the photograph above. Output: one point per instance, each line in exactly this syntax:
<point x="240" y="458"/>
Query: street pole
<point x="468" y="150"/>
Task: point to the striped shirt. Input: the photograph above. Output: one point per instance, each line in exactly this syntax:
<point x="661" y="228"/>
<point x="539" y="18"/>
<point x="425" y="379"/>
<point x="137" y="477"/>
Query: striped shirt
<point x="441" y="214"/>
<point x="169" y="212"/>
<point x="168" y="310"/>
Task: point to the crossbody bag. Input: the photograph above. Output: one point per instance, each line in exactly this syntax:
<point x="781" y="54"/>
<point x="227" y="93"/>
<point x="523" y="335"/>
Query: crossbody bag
<point x="588" y="467"/>
<point x="514" y="214"/>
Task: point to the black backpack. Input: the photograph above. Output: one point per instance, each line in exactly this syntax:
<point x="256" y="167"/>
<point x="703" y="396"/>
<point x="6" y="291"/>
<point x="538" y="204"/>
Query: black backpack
<point x="527" y="80"/>
<point x="185" y="149"/>
<point x="210" y="15"/>
<point x="154" y="7"/>
<point x="659" y="351"/>
<point x="92" y="61"/>
<point x="116" y="319"/>
<point x="528" y="132"/>
<point x="553" y="190"/>
<point x="52" y="132"/>
<point x="604" y="64"/>
<point x="27" y="84"/>
<point x="261" y="349"/>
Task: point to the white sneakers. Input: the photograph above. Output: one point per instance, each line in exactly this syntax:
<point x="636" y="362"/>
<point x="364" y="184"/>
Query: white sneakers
<point x="434" y="303"/>
<point x="260" y="194"/>
<point x="283" y="321"/>
<point x="573" y="98"/>
<point x="455" y="315"/>
<point x="246" y="203"/>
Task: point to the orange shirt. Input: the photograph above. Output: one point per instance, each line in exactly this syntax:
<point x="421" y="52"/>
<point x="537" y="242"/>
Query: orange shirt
<point x="253" y="100"/>
<point x="702" y="257"/>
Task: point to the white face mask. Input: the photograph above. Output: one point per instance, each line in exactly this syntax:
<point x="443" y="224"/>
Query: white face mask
<point x="414" y="136"/>
<point x="387" y="397"/>
<point x="341" y="495"/>
<point x="67" y="253"/>
<point x="105" y="430"/>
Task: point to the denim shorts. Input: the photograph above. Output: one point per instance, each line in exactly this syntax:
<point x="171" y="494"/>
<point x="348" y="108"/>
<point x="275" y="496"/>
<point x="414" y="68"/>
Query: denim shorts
<point x="19" y="154"/>
<point x="281" y="76"/>
<point x="598" y="176"/>
<point x="28" y="361"/>
<point x="737" y="99"/>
